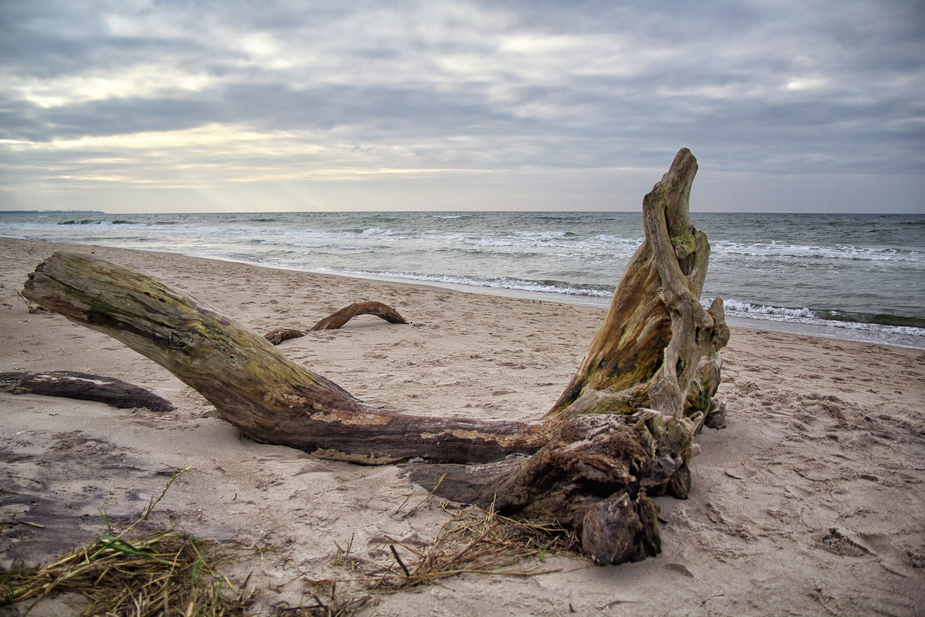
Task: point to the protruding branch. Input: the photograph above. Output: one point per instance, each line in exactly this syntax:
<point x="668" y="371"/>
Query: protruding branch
<point x="656" y="334"/>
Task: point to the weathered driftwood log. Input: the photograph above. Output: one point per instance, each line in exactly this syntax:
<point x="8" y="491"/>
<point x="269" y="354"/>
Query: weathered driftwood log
<point x="338" y="319"/>
<point x="621" y="432"/>
<point x="251" y="383"/>
<point x="84" y="387"/>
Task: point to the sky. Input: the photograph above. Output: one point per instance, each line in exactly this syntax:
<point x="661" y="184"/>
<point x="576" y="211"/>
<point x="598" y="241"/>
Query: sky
<point x="278" y="105"/>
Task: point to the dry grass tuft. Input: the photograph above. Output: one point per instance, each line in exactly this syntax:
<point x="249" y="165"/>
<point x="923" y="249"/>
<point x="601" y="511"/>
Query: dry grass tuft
<point x="161" y="573"/>
<point x="474" y="542"/>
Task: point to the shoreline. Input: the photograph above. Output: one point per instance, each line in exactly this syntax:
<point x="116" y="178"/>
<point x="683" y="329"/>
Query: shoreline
<point x="833" y="330"/>
<point x="809" y="502"/>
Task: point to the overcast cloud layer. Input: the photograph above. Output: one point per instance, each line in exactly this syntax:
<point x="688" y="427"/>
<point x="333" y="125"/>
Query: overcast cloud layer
<point x="168" y="105"/>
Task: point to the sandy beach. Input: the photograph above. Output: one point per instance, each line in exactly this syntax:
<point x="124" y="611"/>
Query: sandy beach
<point x="809" y="502"/>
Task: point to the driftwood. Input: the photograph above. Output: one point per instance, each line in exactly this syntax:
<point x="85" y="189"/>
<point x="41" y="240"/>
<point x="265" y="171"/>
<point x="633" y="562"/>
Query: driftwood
<point x="621" y="432"/>
<point x="658" y="346"/>
<point x="84" y="387"/>
<point x="283" y="334"/>
<point x="254" y="386"/>
<point x="338" y="319"/>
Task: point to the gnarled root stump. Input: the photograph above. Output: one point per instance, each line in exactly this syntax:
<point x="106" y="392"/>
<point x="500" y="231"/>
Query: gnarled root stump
<point x="620" y="433"/>
<point x="596" y="474"/>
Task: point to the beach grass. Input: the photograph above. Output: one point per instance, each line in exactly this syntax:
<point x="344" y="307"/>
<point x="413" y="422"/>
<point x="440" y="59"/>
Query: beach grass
<point x="164" y="572"/>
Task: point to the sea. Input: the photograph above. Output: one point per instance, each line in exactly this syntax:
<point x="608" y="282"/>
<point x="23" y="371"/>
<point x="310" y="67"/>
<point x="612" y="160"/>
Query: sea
<point x="843" y="276"/>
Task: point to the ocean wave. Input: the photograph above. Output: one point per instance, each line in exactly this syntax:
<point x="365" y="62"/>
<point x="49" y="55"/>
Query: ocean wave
<point x="796" y="251"/>
<point x="889" y="324"/>
<point x="770" y="311"/>
<point x="513" y="284"/>
<point x="599" y="245"/>
<point x="635" y="242"/>
<point x="543" y="235"/>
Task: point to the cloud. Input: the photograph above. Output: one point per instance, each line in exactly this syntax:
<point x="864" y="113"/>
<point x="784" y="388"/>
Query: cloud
<point x="202" y="94"/>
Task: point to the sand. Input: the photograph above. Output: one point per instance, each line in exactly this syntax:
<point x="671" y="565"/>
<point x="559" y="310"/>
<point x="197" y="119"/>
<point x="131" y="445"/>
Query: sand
<point x="809" y="502"/>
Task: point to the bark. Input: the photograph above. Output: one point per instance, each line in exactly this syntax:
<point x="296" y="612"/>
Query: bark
<point x="621" y="432"/>
<point x="84" y="387"/>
